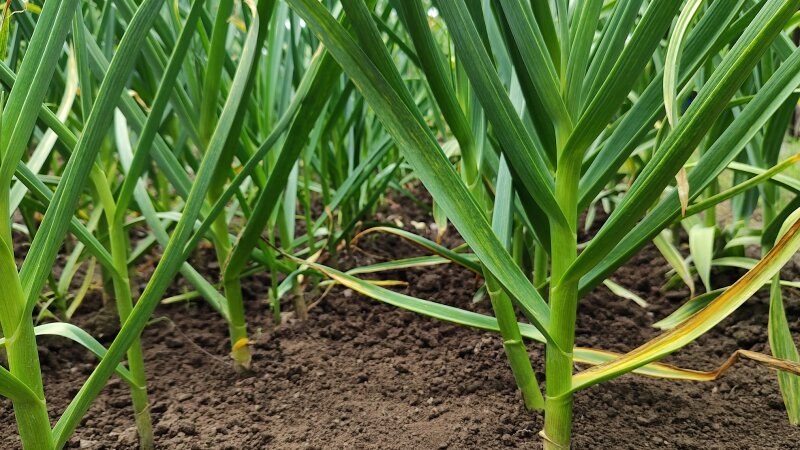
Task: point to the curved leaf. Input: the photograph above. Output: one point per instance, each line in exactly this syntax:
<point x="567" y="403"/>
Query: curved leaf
<point x="15" y="390"/>
<point x="427" y="244"/>
<point x="672" y="62"/>
<point x="704" y="320"/>
<point x="78" y="335"/>
<point x="474" y="320"/>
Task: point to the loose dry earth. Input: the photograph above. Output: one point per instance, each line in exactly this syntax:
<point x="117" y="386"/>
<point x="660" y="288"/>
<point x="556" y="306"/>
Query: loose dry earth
<point x="359" y="374"/>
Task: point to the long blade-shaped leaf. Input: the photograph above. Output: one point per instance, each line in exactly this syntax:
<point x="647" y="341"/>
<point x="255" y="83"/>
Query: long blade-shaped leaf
<point x="587" y="14"/>
<point x="782" y="345"/>
<point x="672" y="61"/>
<point x="214" y="298"/>
<point x="427" y="244"/>
<point x="640" y="118"/>
<point x="474" y="320"/>
<point x="148" y="133"/>
<point x="536" y="59"/>
<point x="20" y="112"/>
<point x="437" y="74"/>
<point x="634" y="57"/>
<point x="611" y="44"/>
<point x="37" y="186"/>
<point x="78" y="335"/>
<point x="296" y="139"/>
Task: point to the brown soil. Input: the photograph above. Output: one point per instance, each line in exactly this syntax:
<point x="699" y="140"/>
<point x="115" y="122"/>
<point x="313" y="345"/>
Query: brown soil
<point x="359" y="374"/>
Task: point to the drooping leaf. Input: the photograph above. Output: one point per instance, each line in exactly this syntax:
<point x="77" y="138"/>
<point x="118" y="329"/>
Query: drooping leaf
<point x="625" y="293"/>
<point x="583" y="355"/>
<point x="696" y="325"/>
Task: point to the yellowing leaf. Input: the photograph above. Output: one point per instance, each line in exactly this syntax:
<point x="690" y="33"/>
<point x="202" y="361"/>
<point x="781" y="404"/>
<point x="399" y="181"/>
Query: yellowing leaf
<point x="704" y="320"/>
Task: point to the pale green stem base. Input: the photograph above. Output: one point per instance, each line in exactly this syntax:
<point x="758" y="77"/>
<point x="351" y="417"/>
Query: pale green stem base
<point x="237" y="325"/>
<point x="139" y="397"/>
<point x="141" y="408"/>
<point x="557" y="423"/>
<point x="33" y="421"/>
<point x="300" y="306"/>
<point x="563" y="310"/>
<point x="515" y="349"/>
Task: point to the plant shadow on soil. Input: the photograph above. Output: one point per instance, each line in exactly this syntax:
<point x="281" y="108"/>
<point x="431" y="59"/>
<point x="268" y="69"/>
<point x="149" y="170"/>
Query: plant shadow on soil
<point x="359" y="374"/>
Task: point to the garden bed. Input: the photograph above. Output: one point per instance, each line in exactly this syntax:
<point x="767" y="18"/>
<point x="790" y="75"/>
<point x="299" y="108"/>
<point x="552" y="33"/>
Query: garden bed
<point x="359" y="374"/>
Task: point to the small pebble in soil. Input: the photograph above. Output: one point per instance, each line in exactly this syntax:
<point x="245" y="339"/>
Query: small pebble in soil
<point x="645" y="420"/>
<point x="86" y="443"/>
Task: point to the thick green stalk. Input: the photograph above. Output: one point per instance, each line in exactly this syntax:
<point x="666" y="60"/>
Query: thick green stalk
<point x="237" y="325"/>
<point x="44" y="47"/>
<point x="563" y="304"/>
<point x="33" y="422"/>
<point x="124" y="303"/>
<point x="18" y="118"/>
<point x="264" y="206"/>
<point x="503" y="309"/>
<point x="515" y="349"/>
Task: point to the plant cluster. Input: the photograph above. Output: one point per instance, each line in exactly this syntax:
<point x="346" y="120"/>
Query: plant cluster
<point x="272" y="129"/>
